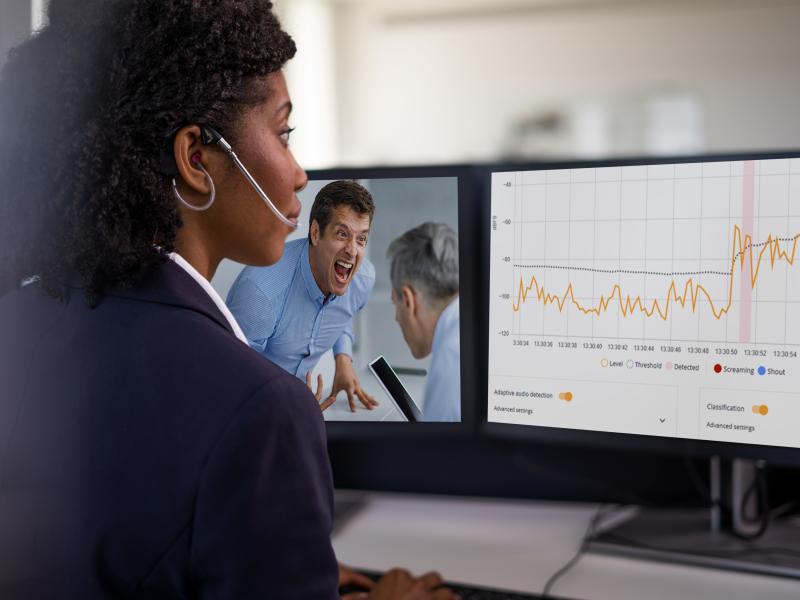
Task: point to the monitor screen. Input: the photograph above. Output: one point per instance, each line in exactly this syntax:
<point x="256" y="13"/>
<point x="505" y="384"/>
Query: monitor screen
<point x="657" y="299"/>
<point x="359" y="289"/>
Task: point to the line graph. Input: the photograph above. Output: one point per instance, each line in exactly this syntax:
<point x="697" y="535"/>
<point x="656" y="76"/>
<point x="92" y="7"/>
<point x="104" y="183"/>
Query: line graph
<point x="694" y="251"/>
<point x="692" y="292"/>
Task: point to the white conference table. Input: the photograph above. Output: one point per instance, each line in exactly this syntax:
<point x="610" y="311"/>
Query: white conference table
<point x="518" y="545"/>
<point x="386" y="409"/>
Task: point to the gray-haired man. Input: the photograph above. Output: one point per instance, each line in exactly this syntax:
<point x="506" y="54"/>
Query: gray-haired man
<point x="424" y="273"/>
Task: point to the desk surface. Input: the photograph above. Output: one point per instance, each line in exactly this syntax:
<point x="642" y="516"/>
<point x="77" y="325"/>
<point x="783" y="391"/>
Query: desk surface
<point x="518" y="545"/>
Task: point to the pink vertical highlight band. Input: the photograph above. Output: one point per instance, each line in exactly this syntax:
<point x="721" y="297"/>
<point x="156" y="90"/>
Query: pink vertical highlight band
<point x="745" y="274"/>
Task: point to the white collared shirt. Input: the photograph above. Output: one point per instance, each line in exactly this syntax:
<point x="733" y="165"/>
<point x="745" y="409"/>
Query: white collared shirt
<point x="212" y="293"/>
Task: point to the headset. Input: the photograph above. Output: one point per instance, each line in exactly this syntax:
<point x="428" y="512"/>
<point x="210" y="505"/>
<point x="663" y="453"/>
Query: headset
<point x="210" y="136"/>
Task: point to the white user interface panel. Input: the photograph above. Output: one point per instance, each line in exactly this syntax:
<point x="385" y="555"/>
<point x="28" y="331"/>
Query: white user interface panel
<point x="654" y="299"/>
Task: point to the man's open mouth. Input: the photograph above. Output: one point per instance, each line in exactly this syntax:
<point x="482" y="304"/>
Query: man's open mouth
<point x="343" y="270"/>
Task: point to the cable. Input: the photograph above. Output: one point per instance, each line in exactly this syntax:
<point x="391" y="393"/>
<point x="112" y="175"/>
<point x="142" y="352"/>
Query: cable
<point x="696" y="479"/>
<point x="746" y="497"/>
<point x="587" y="536"/>
<point x="759" y="484"/>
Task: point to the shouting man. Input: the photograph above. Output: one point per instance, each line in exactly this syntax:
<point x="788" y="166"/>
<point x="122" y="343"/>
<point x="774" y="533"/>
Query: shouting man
<point x="299" y="308"/>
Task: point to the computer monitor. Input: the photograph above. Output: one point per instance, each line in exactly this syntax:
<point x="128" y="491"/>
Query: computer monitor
<point x="656" y="298"/>
<point x="405" y="198"/>
<point x="415" y="352"/>
<point x="652" y="304"/>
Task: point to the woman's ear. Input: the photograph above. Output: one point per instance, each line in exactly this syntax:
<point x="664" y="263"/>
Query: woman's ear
<point x="189" y="154"/>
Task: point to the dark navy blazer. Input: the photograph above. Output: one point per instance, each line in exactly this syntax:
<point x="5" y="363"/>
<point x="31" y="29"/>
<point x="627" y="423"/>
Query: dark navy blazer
<point x="145" y="452"/>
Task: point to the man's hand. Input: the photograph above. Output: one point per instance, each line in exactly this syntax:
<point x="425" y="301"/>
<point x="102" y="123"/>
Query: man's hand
<point x="318" y="394"/>
<point x="345" y="379"/>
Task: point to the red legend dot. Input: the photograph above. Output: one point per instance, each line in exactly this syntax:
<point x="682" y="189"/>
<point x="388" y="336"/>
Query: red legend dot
<point x="718" y="368"/>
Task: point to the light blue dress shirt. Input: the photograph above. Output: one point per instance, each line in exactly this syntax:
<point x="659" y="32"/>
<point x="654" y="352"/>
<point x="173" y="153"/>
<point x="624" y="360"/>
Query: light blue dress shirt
<point x="443" y="386"/>
<point x="286" y="317"/>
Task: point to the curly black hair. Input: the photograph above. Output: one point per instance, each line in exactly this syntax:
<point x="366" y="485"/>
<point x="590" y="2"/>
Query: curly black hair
<point x="85" y="106"/>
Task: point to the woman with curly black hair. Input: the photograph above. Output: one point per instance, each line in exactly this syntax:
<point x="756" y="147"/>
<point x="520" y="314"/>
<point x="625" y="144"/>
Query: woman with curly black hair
<point x="145" y="450"/>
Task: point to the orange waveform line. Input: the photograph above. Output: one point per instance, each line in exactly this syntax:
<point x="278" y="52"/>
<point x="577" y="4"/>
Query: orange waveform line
<point x="690" y="292"/>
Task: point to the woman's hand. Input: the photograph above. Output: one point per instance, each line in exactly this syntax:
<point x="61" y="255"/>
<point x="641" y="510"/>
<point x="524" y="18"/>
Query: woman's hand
<point x="348" y="577"/>
<point x="398" y="584"/>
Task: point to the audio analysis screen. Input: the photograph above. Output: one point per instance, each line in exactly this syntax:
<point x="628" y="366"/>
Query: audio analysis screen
<point x="655" y="299"/>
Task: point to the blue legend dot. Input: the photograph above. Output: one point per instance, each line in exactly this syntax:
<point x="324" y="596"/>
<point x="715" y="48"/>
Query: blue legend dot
<point x="762" y="370"/>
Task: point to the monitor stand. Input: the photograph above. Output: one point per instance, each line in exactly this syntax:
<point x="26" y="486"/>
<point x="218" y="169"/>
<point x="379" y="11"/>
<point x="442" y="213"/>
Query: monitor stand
<point x="705" y="537"/>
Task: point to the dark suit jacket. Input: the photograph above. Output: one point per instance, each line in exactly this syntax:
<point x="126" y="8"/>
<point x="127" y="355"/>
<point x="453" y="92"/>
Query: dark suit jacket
<point x="145" y="452"/>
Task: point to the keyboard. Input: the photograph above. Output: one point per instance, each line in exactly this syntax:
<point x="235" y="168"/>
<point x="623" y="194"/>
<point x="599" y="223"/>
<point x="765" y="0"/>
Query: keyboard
<point x="467" y="592"/>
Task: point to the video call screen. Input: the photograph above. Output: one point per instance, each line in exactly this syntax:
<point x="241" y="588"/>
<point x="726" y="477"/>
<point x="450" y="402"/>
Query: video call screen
<point x="383" y="361"/>
<point x="401" y="204"/>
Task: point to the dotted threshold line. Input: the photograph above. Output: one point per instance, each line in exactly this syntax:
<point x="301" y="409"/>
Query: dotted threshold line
<point x="623" y="271"/>
<point x="659" y="273"/>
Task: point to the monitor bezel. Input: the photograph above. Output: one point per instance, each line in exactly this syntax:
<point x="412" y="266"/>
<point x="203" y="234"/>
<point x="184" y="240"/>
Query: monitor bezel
<point x="623" y="441"/>
<point x="469" y="291"/>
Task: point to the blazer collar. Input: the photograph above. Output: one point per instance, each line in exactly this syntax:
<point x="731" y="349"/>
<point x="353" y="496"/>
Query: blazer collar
<point x="169" y="284"/>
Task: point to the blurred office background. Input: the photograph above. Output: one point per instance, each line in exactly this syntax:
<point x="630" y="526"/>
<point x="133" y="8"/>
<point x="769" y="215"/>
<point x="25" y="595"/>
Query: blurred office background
<point x="448" y="81"/>
<point x="469" y="80"/>
<point x="443" y="81"/>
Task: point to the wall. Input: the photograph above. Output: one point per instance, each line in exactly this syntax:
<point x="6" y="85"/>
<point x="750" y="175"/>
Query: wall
<point x="376" y="81"/>
<point x="416" y="86"/>
<point x="15" y="24"/>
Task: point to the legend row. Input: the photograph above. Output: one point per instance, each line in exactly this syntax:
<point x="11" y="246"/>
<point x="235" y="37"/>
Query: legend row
<point x="690" y="367"/>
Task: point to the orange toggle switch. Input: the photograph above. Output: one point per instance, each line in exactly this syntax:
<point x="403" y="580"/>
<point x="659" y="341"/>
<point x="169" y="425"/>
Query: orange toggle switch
<point x="760" y="409"/>
<point x="567" y="396"/>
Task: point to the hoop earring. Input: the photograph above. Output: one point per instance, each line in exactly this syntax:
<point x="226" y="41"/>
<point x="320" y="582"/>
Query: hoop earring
<point x="205" y="206"/>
